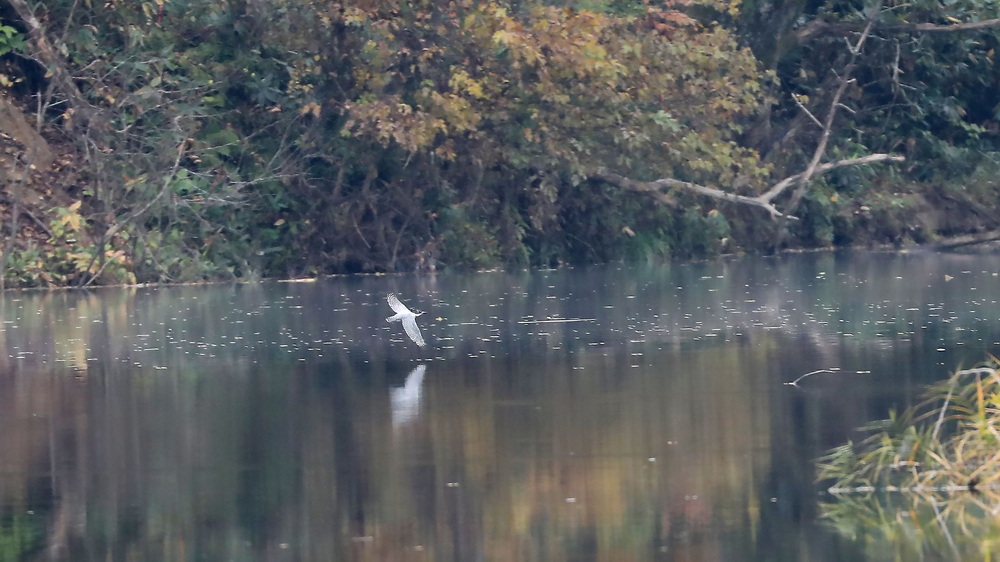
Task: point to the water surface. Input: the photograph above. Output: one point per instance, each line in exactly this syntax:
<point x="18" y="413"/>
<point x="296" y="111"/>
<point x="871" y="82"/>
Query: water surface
<point x="609" y="413"/>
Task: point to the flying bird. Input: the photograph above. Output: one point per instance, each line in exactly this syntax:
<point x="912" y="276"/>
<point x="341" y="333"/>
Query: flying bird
<point x="408" y="318"/>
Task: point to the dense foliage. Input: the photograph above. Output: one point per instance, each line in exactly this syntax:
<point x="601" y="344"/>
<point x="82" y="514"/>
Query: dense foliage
<point x="925" y="86"/>
<point x="283" y="137"/>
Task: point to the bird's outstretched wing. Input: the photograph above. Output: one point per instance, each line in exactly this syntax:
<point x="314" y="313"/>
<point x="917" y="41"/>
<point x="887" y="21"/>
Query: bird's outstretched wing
<point x="395" y="305"/>
<point x="412" y="330"/>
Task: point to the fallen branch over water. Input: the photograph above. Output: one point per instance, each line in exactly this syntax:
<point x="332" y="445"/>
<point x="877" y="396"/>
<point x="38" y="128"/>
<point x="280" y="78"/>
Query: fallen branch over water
<point x="967" y="240"/>
<point x="659" y="189"/>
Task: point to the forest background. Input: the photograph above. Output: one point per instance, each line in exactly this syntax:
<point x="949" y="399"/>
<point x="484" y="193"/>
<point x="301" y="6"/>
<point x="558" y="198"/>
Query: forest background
<point x="189" y="140"/>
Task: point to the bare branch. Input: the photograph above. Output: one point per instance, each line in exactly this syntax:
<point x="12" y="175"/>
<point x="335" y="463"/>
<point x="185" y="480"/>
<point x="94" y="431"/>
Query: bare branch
<point x="782" y="185"/>
<point x="45" y="53"/>
<point x="805" y="110"/>
<point x="963" y="26"/>
<point x="656" y="188"/>
<point x="107" y="237"/>
<point x="649" y="188"/>
<point x="819" y="371"/>
<point x="844" y="80"/>
<point x="967" y="240"/>
<point x="819" y="27"/>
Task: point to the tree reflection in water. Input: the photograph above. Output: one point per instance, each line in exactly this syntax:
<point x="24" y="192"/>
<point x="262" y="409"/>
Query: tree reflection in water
<point x="281" y="421"/>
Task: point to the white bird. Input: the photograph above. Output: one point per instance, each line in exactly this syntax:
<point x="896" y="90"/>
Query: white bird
<point x="408" y="318"/>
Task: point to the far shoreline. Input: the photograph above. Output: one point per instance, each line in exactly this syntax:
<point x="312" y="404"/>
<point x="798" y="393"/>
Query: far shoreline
<point x="989" y="240"/>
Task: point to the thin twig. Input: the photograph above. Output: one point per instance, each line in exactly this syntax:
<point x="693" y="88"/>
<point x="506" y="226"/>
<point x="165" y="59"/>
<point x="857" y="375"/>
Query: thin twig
<point x="830" y="370"/>
<point x="108" y="235"/>
<point x="362" y="236"/>
<point x="39" y="222"/>
<point x="556" y="321"/>
<point x="805" y="110"/>
<point x="820" y="150"/>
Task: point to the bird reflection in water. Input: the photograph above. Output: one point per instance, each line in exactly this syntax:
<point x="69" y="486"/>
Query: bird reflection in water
<point x="405" y="400"/>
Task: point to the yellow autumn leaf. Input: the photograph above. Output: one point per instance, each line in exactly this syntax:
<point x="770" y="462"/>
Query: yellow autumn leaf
<point x="70" y="217"/>
<point x="502" y="37"/>
<point x="475" y="89"/>
<point x="311" y="107"/>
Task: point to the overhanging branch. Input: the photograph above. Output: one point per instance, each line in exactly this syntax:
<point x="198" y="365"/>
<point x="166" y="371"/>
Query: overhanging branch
<point x="820" y="27"/>
<point x="657" y="188"/>
<point x="653" y="189"/>
<point x="782" y="185"/>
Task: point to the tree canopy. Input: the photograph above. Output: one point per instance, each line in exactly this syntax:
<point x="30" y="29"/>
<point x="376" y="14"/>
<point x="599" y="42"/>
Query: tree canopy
<point x="239" y="139"/>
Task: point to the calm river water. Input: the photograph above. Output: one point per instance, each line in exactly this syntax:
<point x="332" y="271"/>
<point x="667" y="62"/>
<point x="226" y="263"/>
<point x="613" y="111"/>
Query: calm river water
<point x="610" y="413"/>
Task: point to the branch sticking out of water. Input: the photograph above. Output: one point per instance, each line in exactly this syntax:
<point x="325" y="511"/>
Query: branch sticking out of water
<point x="795" y="382"/>
<point x="939" y="461"/>
<point x="948" y="439"/>
<point x="556" y="321"/>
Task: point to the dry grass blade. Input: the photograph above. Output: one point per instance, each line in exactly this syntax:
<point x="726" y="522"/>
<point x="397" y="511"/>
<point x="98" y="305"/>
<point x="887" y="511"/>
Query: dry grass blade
<point x="927" y="479"/>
